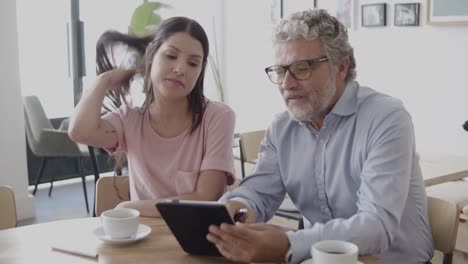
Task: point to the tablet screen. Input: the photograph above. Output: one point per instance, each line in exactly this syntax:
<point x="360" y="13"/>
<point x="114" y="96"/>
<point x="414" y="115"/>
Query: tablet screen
<point x="189" y="222"/>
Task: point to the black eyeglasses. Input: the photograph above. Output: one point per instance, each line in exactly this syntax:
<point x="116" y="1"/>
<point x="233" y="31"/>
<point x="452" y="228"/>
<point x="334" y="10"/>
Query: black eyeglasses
<point x="300" y="70"/>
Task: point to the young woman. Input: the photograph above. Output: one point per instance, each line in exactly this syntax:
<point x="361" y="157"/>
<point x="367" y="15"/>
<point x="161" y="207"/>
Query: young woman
<point x="178" y="144"/>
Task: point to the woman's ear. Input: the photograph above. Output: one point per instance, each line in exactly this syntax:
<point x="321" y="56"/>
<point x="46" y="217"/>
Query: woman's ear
<point x="148" y="58"/>
<point x="149" y="46"/>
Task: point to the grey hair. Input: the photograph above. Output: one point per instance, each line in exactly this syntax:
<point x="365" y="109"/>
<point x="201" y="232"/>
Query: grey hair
<point x="313" y="24"/>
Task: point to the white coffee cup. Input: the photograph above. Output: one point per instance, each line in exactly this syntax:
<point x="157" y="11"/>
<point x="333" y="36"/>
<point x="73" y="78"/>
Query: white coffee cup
<point x="334" y="252"/>
<point x="120" y="223"/>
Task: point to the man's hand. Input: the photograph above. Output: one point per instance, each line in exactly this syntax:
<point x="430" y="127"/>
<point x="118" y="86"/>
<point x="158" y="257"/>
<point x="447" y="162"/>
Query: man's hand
<point x="250" y="242"/>
<point x="233" y="208"/>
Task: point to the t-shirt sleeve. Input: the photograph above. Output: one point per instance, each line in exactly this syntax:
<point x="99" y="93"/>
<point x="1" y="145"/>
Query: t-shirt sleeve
<point x="218" y="154"/>
<point x="117" y="119"/>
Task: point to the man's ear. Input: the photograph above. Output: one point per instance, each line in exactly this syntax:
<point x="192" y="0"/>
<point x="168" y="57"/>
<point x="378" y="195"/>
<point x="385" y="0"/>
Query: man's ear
<point x="343" y="68"/>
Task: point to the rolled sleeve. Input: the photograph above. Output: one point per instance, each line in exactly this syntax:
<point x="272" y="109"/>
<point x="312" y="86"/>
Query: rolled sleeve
<point x="263" y="189"/>
<point x="218" y="154"/>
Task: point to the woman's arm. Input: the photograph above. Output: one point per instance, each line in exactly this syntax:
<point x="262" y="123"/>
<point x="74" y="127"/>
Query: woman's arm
<point x="210" y="187"/>
<point x="86" y="125"/>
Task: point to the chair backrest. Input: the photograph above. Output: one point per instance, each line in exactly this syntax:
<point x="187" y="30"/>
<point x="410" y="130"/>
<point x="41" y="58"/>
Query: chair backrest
<point x="250" y="144"/>
<point x="7" y="208"/>
<point x="443" y="218"/>
<point x="35" y="120"/>
<point x="110" y="191"/>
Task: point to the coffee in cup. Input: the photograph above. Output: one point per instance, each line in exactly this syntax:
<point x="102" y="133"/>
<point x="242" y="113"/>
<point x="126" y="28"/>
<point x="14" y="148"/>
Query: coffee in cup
<point x="334" y="252"/>
<point x="120" y="223"/>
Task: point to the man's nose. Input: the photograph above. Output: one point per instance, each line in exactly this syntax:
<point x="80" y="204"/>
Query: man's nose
<point x="288" y="81"/>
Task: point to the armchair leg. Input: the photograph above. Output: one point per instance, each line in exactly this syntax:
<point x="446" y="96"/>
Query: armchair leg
<point x="96" y="174"/>
<point x="447" y="259"/>
<point x="51" y="184"/>
<point x="83" y="180"/>
<point x="39" y="174"/>
<point x="242" y="161"/>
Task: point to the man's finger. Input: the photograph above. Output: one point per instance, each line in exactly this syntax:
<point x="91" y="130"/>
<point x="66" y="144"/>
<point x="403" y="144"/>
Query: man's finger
<point x="259" y="226"/>
<point x="239" y="231"/>
<point x="225" y="252"/>
<point x="213" y="239"/>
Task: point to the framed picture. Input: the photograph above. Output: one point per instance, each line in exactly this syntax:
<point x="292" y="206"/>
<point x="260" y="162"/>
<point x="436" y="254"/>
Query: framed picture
<point x="276" y="11"/>
<point x="344" y="12"/>
<point x="292" y="6"/>
<point x="374" y="15"/>
<point x="448" y="11"/>
<point x="407" y="14"/>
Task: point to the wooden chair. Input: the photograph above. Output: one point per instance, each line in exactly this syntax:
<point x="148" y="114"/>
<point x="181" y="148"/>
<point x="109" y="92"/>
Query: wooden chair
<point x="249" y="144"/>
<point x="110" y="191"/>
<point x="7" y="208"/>
<point x="455" y="192"/>
<point x="443" y="219"/>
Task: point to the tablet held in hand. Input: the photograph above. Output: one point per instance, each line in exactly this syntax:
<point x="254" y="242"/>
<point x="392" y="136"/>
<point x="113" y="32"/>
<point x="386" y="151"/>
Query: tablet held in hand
<point x="189" y="222"/>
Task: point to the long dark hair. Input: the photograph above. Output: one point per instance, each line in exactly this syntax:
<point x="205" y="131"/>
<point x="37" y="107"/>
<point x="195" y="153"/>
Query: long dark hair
<point x="147" y="47"/>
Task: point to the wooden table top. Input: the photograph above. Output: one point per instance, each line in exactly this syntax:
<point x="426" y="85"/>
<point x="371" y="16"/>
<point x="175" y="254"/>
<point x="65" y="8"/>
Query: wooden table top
<point x="439" y="168"/>
<point x="33" y="244"/>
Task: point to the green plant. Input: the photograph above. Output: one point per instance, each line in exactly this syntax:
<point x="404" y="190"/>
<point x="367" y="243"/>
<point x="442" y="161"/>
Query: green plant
<point x="213" y="60"/>
<point x="145" y="19"/>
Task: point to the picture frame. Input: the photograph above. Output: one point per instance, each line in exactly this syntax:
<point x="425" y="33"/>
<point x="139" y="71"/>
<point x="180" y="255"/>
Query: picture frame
<point x="374" y="15"/>
<point x="292" y="6"/>
<point x="406" y="14"/>
<point x="276" y="11"/>
<point x="448" y="12"/>
<point x="345" y="12"/>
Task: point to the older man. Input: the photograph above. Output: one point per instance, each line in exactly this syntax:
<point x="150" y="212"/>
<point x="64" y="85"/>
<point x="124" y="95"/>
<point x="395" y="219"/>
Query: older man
<point x="344" y="153"/>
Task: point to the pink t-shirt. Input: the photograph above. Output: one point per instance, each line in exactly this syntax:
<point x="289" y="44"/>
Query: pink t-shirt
<point x="162" y="167"/>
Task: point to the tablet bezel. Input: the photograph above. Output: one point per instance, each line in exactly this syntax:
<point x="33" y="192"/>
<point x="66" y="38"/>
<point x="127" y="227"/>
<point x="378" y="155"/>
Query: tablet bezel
<point x="189" y="222"/>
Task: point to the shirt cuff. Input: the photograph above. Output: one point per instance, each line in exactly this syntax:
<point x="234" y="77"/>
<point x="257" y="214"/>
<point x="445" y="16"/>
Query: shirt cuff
<point x="226" y="197"/>
<point x="243" y="200"/>
<point x="301" y="242"/>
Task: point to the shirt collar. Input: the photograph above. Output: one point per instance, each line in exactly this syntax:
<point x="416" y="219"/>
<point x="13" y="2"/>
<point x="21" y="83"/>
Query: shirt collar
<point x="347" y="103"/>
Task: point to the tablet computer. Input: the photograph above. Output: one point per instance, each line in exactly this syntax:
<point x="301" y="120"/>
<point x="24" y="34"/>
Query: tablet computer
<point x="189" y="222"/>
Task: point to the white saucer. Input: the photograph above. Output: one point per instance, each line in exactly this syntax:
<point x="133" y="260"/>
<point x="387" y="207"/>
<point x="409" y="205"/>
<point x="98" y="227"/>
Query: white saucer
<point x="142" y="232"/>
<point x="311" y="261"/>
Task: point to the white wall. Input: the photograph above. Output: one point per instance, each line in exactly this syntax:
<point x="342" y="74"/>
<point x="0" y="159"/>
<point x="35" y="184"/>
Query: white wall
<point x="248" y="51"/>
<point x="426" y="67"/>
<point x="13" y="169"/>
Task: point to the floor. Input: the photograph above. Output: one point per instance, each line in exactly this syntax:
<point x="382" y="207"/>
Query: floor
<point x="66" y="201"/>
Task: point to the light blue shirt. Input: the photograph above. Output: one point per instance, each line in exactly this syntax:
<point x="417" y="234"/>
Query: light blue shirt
<point x="357" y="179"/>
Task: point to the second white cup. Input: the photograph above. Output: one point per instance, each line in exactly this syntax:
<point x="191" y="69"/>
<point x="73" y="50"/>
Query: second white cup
<point x="334" y="252"/>
<point x="120" y="223"/>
